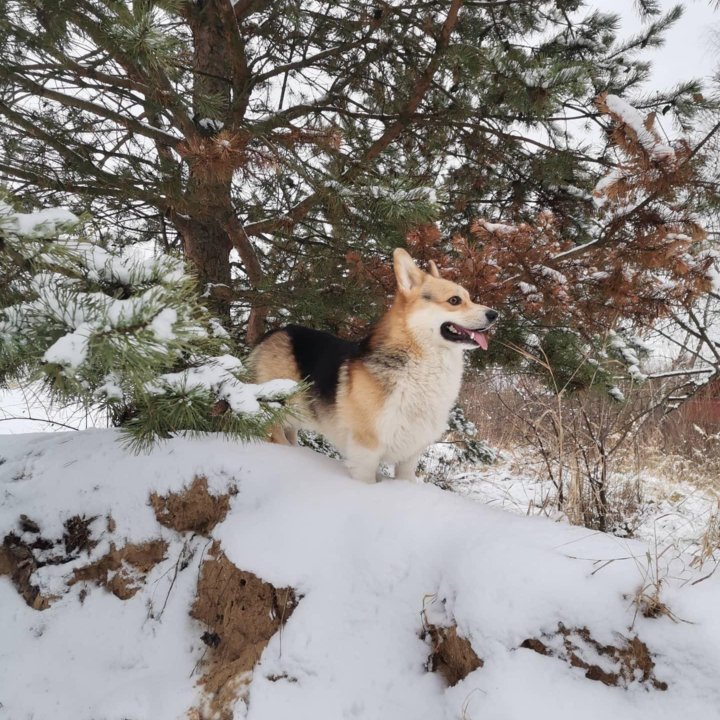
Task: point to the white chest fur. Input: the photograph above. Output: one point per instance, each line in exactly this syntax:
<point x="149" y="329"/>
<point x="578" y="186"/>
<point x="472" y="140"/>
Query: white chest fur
<point x="416" y="411"/>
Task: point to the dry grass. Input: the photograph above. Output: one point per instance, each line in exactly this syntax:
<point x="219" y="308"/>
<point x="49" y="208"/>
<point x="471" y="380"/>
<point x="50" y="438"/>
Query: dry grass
<point x="594" y="450"/>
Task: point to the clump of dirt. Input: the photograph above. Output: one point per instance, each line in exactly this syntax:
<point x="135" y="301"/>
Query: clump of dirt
<point x="21" y="556"/>
<point x="77" y="535"/>
<point x="627" y="663"/>
<point x="122" y="570"/>
<point x="192" y="510"/>
<point x="18" y="561"/>
<point x="241" y="613"/>
<point x="452" y="655"/>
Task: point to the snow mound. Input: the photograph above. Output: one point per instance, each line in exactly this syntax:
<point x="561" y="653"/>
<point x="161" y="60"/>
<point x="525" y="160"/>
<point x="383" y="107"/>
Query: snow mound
<point x="215" y="579"/>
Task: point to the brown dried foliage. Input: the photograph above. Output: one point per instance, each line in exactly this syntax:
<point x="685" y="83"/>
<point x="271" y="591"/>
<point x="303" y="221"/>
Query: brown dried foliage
<point x="217" y="158"/>
<point x="639" y="267"/>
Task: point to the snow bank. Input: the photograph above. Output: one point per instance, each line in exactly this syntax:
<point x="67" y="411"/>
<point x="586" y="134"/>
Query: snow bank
<point x="365" y="561"/>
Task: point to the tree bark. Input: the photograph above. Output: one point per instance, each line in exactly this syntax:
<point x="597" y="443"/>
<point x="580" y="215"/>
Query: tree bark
<point x="210" y="232"/>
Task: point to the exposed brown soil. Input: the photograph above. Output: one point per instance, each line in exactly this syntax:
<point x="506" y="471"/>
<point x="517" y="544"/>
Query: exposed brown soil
<point x="452" y="655"/>
<point x="18" y="561"/>
<point x="192" y="510"/>
<point x="122" y="570"/>
<point x="241" y="613"/>
<point x="631" y="661"/>
<point x="20" y="558"/>
<point x="77" y="535"/>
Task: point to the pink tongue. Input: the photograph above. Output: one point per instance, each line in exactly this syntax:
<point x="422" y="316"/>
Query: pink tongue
<point x="480" y="339"/>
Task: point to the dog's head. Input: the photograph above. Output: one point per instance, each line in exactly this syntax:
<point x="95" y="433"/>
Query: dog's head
<point x="439" y="310"/>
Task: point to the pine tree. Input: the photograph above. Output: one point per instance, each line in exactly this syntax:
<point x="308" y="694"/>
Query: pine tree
<point x="564" y="301"/>
<point x="301" y="135"/>
<point x="124" y="335"/>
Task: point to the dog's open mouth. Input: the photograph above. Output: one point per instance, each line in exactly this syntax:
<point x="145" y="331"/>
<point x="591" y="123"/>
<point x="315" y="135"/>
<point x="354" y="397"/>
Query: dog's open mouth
<point x="457" y="333"/>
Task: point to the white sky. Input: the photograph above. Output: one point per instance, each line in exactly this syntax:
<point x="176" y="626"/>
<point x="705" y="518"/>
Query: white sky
<point x="692" y="49"/>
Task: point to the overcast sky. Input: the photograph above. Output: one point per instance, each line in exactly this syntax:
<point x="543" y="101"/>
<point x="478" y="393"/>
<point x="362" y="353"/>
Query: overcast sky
<point x="692" y="49"/>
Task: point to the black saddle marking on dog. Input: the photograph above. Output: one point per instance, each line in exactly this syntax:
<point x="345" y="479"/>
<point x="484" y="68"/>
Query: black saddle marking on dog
<point x="319" y="356"/>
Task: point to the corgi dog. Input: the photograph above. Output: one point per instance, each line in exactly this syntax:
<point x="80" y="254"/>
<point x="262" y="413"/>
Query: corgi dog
<point x="386" y="398"/>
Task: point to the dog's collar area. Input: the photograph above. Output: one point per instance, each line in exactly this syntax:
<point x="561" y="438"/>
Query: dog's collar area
<point x="457" y="333"/>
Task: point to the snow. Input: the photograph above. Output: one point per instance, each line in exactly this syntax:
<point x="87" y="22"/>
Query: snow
<point x="211" y="125"/>
<point x="219" y="376"/>
<point x="41" y="223"/>
<point x="367" y="560"/>
<point x="599" y="191"/>
<point x="713" y="271"/>
<point x="111" y="388"/>
<point x="631" y="117"/>
<point x="499" y="228"/>
<point x="552" y="274"/>
<point x="30" y="409"/>
<point x="162" y="325"/>
<point x="70" y="350"/>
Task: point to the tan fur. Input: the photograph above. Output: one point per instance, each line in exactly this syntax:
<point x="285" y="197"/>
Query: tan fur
<point x="359" y="401"/>
<point x="273" y="359"/>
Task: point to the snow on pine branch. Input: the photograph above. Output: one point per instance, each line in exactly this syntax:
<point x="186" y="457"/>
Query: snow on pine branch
<point x="42" y="223"/>
<point x="627" y="114"/>
<point x="644" y="149"/>
<point x="220" y="376"/>
<point x="122" y="333"/>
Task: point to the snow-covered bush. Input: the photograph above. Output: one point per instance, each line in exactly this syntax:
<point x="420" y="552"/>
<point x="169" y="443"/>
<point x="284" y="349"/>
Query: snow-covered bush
<point x="125" y="334"/>
<point x="459" y="448"/>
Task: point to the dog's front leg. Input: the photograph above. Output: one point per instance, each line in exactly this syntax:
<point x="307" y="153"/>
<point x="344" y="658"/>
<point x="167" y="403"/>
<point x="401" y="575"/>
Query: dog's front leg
<point x="362" y="464"/>
<point x="405" y="469"/>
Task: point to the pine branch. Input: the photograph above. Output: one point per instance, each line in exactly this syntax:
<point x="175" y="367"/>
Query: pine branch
<point x="125" y="121"/>
<point x="422" y="85"/>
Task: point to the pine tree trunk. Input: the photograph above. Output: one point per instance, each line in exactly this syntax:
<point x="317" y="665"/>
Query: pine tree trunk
<point x="212" y="229"/>
<point x="207" y="248"/>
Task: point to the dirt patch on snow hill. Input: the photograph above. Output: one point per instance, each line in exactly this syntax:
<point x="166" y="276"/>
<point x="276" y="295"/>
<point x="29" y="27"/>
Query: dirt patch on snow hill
<point x="18" y="561"/>
<point x="192" y="510"/>
<point x="452" y="655"/>
<point x="77" y="535"/>
<point x="621" y="665"/>
<point x="122" y="570"/>
<point x="26" y="550"/>
<point x="241" y="613"/>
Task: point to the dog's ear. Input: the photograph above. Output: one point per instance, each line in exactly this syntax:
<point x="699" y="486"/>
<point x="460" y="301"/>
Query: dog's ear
<point x="434" y="269"/>
<point x="407" y="273"/>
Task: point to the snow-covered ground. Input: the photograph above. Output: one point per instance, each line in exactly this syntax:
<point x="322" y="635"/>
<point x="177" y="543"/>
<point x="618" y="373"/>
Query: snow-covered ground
<point x="371" y="565"/>
<point x="670" y="514"/>
<point x="28" y="409"/>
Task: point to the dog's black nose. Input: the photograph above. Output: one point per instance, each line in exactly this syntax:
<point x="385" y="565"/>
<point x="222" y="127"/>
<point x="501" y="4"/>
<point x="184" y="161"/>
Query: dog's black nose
<point x="491" y="315"/>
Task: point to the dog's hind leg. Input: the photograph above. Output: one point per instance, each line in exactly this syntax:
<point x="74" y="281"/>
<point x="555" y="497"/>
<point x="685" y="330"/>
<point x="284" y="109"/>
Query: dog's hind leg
<point x="405" y="470"/>
<point x="278" y="436"/>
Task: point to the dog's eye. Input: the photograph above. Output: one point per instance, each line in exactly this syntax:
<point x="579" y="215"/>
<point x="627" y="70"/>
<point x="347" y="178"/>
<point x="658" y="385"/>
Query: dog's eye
<point x="455" y="300"/>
